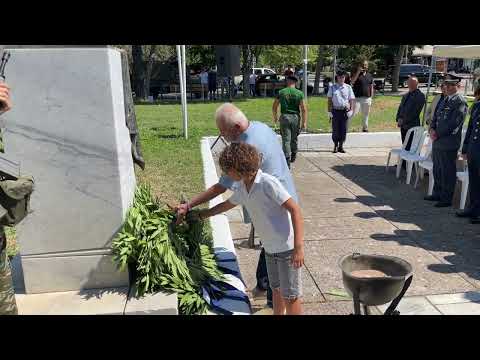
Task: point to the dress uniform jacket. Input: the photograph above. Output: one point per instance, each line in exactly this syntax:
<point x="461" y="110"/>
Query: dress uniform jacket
<point x="448" y="122"/>
<point x="471" y="146"/>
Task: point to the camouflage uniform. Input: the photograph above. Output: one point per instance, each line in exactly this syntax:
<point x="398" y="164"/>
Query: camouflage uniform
<point x="14" y="200"/>
<point x="8" y="305"/>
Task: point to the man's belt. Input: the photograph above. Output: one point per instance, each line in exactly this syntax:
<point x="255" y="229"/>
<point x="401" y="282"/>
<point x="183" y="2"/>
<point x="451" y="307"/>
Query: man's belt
<point x="340" y="109"/>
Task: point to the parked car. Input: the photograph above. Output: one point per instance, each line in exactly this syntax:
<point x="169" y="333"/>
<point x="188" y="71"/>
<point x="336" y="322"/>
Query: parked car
<point x="271" y="84"/>
<point x="238" y="80"/>
<point x="418" y="70"/>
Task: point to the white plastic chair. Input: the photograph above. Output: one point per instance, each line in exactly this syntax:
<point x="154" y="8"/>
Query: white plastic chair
<point x="397" y="152"/>
<point x="463" y="177"/>
<point x="418" y="135"/>
<point x="415" y="154"/>
<point x="428" y="165"/>
<point x="425" y="159"/>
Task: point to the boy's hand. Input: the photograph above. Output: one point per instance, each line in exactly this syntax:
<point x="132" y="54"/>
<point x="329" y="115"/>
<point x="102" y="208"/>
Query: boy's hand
<point x="298" y="257"/>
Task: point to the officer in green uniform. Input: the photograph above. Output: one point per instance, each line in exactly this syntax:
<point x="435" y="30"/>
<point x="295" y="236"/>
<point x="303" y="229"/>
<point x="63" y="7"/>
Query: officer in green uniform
<point x="446" y="132"/>
<point x="291" y="104"/>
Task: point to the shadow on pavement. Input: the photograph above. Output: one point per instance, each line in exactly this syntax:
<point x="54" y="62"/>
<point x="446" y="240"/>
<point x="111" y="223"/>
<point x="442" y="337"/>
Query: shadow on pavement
<point x="453" y="241"/>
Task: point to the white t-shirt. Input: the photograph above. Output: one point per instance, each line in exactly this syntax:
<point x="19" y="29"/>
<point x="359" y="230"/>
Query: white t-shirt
<point x="341" y="95"/>
<point x="204" y="77"/>
<point x="264" y="205"/>
<point x="252" y="79"/>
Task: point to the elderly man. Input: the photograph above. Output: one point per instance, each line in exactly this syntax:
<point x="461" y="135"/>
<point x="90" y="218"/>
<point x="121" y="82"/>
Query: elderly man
<point x="411" y="105"/>
<point x="235" y="127"/>
<point x="8" y="305"/>
<point x="446" y="134"/>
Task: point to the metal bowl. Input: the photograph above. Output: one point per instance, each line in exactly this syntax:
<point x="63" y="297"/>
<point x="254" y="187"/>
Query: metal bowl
<point x="374" y="291"/>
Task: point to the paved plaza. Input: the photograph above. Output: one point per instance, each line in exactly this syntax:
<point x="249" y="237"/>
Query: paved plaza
<point x="350" y="204"/>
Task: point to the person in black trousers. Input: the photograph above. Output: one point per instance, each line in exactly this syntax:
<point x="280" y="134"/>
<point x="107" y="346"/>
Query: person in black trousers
<point x="446" y="134"/>
<point x="471" y="152"/>
<point x="341" y="102"/>
<point x="411" y="105"/>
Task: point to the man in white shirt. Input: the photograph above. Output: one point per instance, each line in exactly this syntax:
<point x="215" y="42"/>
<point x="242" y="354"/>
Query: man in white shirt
<point x="341" y="102"/>
<point x="252" y="79"/>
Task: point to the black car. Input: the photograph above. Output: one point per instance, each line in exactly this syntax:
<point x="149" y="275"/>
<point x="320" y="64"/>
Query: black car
<point x="420" y="71"/>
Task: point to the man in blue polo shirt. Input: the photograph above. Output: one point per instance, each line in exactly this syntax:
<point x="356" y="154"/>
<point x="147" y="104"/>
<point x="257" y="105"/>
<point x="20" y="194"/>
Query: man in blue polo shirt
<point x="235" y="127"/>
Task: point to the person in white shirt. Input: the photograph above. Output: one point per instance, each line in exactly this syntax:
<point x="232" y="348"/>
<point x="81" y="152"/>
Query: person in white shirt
<point x="252" y="79"/>
<point x="204" y="82"/>
<point x="277" y="219"/>
<point x="341" y="102"/>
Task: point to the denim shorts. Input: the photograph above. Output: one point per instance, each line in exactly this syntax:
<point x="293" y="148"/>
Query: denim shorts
<point x="283" y="275"/>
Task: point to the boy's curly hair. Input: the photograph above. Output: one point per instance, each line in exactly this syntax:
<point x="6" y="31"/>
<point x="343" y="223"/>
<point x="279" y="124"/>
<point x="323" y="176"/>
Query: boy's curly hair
<point x="241" y="157"/>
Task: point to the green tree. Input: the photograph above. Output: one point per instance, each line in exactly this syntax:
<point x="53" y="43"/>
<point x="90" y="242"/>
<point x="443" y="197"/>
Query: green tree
<point x="280" y="56"/>
<point x="324" y="54"/>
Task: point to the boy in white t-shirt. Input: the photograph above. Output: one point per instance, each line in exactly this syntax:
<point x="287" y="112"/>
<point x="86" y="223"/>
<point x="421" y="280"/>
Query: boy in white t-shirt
<point x="277" y="219"/>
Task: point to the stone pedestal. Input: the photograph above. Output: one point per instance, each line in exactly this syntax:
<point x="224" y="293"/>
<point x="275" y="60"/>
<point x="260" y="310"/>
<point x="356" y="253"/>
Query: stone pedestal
<point x="67" y="129"/>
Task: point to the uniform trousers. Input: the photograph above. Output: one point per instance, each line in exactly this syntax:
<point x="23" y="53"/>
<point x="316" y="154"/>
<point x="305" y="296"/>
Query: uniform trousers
<point x="444" y="173"/>
<point x="474" y="181"/>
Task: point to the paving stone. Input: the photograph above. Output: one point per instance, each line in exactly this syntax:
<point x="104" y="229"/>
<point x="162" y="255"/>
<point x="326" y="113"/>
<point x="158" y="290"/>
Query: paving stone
<point x="469" y="308"/>
<point x="152" y="304"/>
<point x="331" y="206"/>
<point x="318" y="228"/>
<point x="445" y="299"/>
<point x="323" y="257"/>
<point x="329" y="308"/>
<point x="317" y="183"/>
<point x="415" y="305"/>
<point x="85" y="302"/>
<point x="326" y="163"/>
<point x="302" y="164"/>
<point x="239" y="230"/>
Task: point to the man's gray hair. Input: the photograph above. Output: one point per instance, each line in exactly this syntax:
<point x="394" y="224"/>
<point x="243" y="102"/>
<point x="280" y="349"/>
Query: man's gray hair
<point x="229" y="115"/>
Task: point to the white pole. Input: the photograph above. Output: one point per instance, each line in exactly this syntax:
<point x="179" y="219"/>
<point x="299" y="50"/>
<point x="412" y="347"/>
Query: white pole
<point x="305" y="73"/>
<point x="180" y="78"/>
<point x="334" y="63"/>
<point x="428" y="89"/>
<point x="185" y="110"/>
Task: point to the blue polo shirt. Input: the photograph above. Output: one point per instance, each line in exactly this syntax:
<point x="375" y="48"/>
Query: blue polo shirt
<point x="265" y="140"/>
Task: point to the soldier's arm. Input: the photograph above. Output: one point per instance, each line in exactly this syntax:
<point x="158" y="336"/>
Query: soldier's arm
<point x="467" y="137"/>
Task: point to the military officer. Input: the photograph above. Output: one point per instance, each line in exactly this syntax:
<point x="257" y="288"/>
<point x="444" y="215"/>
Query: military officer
<point x="471" y="152"/>
<point x="446" y="132"/>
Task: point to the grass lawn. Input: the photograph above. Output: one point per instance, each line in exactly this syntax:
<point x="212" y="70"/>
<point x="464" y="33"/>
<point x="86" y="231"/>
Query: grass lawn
<point x="174" y="165"/>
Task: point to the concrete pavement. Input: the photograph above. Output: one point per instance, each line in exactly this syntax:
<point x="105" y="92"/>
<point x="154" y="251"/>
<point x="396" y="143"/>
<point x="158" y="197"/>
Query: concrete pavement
<point x="351" y="205"/>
